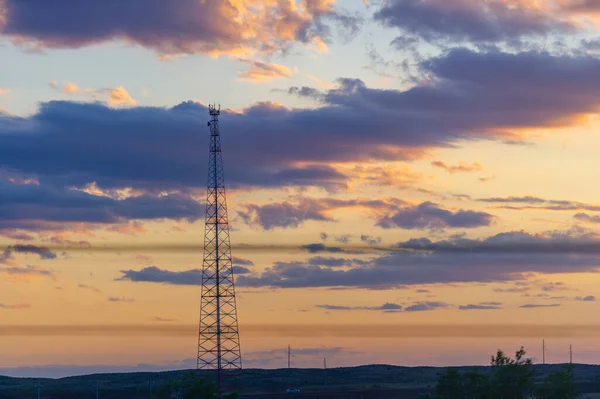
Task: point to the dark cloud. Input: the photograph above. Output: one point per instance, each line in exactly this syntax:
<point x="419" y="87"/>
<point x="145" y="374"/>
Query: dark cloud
<point x="120" y="299"/>
<point x="504" y="257"/>
<point x="324" y="236"/>
<point x="280" y="215"/>
<point x="29" y="270"/>
<point x="531" y="202"/>
<point x="589" y="298"/>
<point x="156" y="149"/>
<point x="39" y="207"/>
<point x="318" y="248"/>
<point x="469" y="95"/>
<point x="584" y="217"/>
<point x="293" y="214"/>
<point x="576" y="240"/>
<point x="389" y="213"/>
<point x="43" y="252"/>
<point x="426" y="306"/>
<point x="370" y="240"/>
<point x="154" y="274"/>
<point x="181" y="27"/>
<point x="469" y="21"/>
<point x="334" y="262"/>
<point x="534" y="305"/>
<point x="386" y="307"/>
<point x="482" y="306"/>
<point x="429" y="216"/>
<point x="344" y="239"/>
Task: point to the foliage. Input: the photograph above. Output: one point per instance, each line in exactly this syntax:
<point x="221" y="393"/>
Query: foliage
<point x="509" y="378"/>
<point x="558" y="385"/>
<point x="512" y="378"/>
<point x="189" y="387"/>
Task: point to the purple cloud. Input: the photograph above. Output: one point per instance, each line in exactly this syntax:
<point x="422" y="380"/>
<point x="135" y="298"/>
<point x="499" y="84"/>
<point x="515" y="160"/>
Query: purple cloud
<point x="180" y="27"/>
<point x="386" y="307"/>
<point x="470" y="95"/>
<point x="465" y="20"/>
<point x="429" y="216"/>
<point x="482" y="306"/>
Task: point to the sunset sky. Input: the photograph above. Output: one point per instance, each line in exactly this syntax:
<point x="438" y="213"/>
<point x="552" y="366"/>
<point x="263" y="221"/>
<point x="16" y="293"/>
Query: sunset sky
<point x="406" y="178"/>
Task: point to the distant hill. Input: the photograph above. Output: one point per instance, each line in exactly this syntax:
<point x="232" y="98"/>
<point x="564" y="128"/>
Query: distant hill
<point x="263" y="383"/>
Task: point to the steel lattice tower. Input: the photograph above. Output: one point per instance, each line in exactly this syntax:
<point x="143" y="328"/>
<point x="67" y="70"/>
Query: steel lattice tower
<point x="218" y="337"/>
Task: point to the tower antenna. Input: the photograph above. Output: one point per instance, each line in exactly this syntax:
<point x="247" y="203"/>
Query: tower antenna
<point x="218" y="335"/>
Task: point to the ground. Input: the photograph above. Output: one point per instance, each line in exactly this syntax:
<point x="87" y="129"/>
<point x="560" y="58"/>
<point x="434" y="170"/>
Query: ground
<point x="376" y="381"/>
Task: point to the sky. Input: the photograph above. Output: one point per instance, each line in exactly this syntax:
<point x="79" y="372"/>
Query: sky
<point x="410" y="182"/>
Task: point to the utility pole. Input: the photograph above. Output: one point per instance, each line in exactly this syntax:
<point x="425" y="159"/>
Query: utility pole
<point x="570" y="354"/>
<point x="289" y="357"/>
<point x="325" y="368"/>
<point x="543" y="352"/>
<point x="39" y="391"/>
<point x="97" y="389"/>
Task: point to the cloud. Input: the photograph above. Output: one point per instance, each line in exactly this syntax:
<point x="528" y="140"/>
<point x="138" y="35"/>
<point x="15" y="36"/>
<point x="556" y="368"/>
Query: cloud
<point x="589" y="298"/>
<point x="450" y="21"/>
<point x="43" y="252"/>
<point x="281" y="215"/>
<point x="119" y="299"/>
<point x="268" y="146"/>
<point x="429" y="216"/>
<point x="242" y="261"/>
<point x="388" y="213"/>
<point x="290" y="215"/>
<point x="584" y="217"/>
<point x="88" y="287"/>
<point x="533" y="306"/>
<point x="172" y="28"/>
<point x="426" y="306"/>
<point x="154" y="274"/>
<point x="163" y="319"/>
<point x="505" y="257"/>
<point x="262" y="72"/>
<point x="323" y="236"/>
<point x="482" y="306"/>
<point x="344" y="239"/>
<point x="386" y="307"/>
<point x="4" y="92"/>
<point x="22" y="273"/>
<point x="42" y="207"/>
<point x="132" y="228"/>
<point x="119" y="96"/>
<point x="20" y="306"/>
<point x="370" y="240"/>
<point x="533" y="202"/>
<point x="460" y="167"/>
<point x="113" y="96"/>
<point x="317" y="248"/>
<point x="333" y="262"/>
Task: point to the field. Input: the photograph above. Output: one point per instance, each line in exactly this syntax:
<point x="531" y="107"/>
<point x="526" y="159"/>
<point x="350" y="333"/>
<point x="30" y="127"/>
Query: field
<point x="376" y="381"/>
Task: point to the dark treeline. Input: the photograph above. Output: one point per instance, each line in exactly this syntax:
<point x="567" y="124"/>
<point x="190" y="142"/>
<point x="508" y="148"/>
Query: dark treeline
<point x="508" y="378"/>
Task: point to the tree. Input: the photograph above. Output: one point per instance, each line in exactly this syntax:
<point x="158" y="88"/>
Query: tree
<point x="512" y="378"/>
<point x="189" y="387"/>
<point x="508" y="379"/>
<point x="558" y="385"/>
